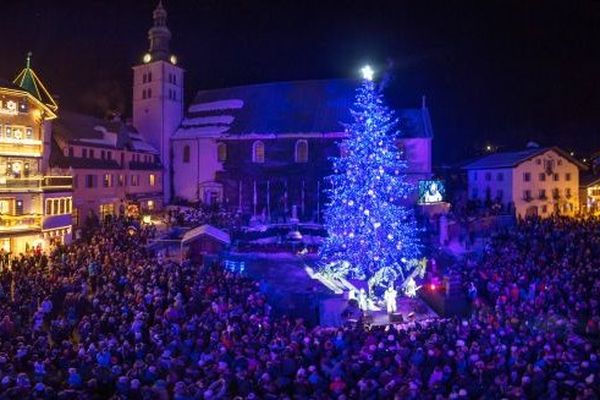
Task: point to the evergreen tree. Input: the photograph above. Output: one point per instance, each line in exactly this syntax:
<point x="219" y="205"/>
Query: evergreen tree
<point x="372" y="235"/>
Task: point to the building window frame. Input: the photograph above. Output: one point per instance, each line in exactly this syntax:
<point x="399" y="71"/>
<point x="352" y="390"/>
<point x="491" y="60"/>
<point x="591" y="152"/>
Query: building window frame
<point x="258" y="152"/>
<point x="301" y="151"/>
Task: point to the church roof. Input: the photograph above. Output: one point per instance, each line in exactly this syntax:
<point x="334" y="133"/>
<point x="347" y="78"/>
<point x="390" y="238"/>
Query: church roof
<point x="312" y="106"/>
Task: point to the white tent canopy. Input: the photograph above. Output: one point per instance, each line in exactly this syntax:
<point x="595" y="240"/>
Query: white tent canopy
<point x="208" y="230"/>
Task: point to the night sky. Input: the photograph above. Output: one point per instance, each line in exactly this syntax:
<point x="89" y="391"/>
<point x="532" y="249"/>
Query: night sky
<point x="499" y="72"/>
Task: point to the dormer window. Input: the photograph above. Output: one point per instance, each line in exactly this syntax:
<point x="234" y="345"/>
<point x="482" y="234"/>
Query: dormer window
<point x="258" y="152"/>
<point x="301" y="151"/>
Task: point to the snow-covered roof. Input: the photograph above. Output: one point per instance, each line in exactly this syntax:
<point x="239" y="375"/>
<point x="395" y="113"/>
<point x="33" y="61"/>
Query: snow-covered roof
<point x="208" y="230"/>
<point x="297" y="107"/>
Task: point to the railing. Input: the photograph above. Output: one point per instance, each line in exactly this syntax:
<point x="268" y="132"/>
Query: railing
<point x="16" y="223"/>
<point x="57" y="182"/>
<point x="36" y="183"/>
<point x="26" y="147"/>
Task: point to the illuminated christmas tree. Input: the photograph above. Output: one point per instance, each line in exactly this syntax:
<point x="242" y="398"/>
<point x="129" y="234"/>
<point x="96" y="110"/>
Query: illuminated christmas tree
<point x="372" y="235"/>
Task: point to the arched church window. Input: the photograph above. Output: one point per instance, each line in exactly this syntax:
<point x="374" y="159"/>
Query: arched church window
<point x="301" y="151"/>
<point x="258" y="152"/>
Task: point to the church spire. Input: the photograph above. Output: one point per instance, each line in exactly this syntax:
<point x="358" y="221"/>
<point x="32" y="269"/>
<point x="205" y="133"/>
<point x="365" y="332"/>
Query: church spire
<point x="159" y="36"/>
<point x="29" y="81"/>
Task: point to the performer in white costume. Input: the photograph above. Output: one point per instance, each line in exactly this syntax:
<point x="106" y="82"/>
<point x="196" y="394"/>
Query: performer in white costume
<point x="390" y="299"/>
<point x="362" y="300"/>
<point x="410" y="289"/>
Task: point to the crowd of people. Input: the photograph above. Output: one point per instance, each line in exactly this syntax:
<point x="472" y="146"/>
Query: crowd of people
<point x="103" y="318"/>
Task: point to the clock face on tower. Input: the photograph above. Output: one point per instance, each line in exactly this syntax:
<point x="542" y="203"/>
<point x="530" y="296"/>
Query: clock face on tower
<point x="147" y="58"/>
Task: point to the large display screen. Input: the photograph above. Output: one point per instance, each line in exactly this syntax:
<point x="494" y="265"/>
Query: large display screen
<point x="431" y="191"/>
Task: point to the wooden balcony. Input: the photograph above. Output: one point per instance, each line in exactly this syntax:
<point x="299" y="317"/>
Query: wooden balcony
<point x="35" y="184"/>
<point x="23" y="147"/>
<point x="20" y="223"/>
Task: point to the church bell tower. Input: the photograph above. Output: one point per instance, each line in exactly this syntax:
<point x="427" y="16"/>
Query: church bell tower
<point x="158" y="94"/>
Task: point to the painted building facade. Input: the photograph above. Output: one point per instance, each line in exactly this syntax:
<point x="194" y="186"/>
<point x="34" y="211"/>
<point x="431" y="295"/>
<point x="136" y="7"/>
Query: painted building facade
<point x="535" y="181"/>
<point x="114" y="170"/>
<point x="35" y="199"/>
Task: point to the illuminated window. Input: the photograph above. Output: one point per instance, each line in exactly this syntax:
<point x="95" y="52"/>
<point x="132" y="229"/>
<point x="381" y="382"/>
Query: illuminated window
<point x="150" y="205"/>
<point x="186" y="153"/>
<point x="5" y="205"/>
<point x="28" y="133"/>
<point x="301" y="151"/>
<point x="121" y="180"/>
<point x="107" y="181"/>
<point x="48" y="207"/>
<point x="55" y="206"/>
<point x="62" y="206"/>
<point x="152" y="179"/>
<point x="75" y="215"/>
<point x="8" y="131"/>
<point x="68" y="205"/>
<point x="222" y="152"/>
<point x="258" y="152"/>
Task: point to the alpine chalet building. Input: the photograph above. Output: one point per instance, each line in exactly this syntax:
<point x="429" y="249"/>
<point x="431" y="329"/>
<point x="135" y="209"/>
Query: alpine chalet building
<point x="35" y="199"/>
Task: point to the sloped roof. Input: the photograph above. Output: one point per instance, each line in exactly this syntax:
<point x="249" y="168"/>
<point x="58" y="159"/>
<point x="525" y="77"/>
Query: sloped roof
<point x="87" y="129"/>
<point x="513" y="158"/>
<point x="75" y="127"/>
<point x="312" y="106"/>
<point x="208" y="230"/>
<point x="589" y="180"/>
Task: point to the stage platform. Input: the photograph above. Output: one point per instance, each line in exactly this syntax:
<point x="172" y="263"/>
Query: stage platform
<point x="410" y="310"/>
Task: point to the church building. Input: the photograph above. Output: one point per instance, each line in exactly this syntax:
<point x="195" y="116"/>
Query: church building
<point x="263" y="150"/>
